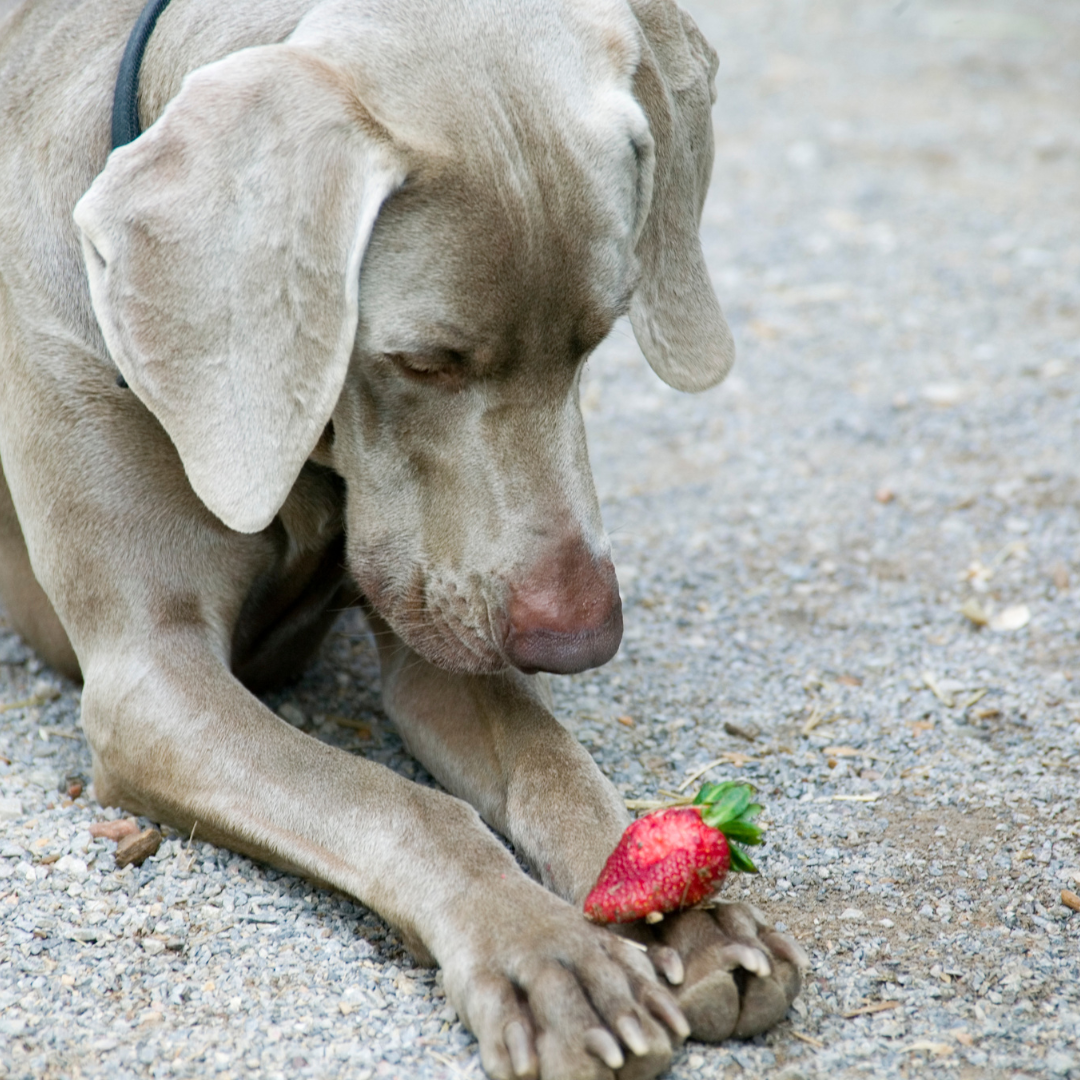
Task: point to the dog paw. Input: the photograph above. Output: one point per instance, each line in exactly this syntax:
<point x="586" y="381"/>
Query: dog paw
<point x="552" y="997"/>
<point x="733" y="974"/>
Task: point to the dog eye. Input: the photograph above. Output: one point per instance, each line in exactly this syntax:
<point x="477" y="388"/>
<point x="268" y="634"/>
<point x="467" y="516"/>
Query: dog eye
<point x="441" y="366"/>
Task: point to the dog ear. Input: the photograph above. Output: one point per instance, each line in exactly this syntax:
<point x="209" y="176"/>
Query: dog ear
<point x="223" y="249"/>
<point x="675" y="314"/>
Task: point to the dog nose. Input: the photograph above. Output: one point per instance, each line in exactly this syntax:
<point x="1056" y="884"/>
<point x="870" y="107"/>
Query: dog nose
<point x="566" y="616"/>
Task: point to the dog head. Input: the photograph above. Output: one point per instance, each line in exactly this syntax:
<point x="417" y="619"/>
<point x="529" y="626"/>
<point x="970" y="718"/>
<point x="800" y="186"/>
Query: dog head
<point x="392" y="241"/>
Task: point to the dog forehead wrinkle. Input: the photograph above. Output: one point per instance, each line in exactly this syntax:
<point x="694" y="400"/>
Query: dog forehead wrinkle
<point x="471" y="51"/>
<point x="536" y="104"/>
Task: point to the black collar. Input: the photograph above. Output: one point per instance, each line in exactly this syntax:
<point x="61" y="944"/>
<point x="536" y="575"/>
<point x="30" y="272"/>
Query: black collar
<point x="125" y="112"/>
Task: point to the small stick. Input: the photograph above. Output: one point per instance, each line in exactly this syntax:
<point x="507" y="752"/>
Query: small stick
<point x="934" y="687"/>
<point x="26" y="703"/>
<point x="729" y="757"/>
<point x="874" y="1007"/>
<point x="188" y="851"/>
<point x="698" y="773"/>
<point x="977" y="696"/>
<point x="817" y="718"/>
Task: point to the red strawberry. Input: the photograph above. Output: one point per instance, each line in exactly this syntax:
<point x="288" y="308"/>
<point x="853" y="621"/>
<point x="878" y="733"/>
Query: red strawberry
<point x="674" y="858"/>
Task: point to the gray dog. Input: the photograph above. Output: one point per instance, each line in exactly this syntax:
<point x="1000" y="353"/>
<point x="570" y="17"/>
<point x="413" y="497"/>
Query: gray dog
<point x="319" y="332"/>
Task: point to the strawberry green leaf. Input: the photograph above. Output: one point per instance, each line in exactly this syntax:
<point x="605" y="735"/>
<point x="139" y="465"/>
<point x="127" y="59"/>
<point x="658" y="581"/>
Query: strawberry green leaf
<point x="725" y="802"/>
<point x="727" y="807"/>
<point x="740" y="861"/>
<point x="709" y="793"/>
<point x="743" y="832"/>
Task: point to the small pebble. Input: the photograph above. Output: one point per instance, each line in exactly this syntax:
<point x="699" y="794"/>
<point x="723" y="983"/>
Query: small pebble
<point x="136" y="849"/>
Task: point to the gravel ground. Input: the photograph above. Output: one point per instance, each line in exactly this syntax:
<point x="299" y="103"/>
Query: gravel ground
<point x="806" y="555"/>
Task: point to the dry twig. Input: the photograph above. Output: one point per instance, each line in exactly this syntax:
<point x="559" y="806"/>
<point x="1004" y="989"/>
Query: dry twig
<point x="30" y="702"/>
<point x="873" y="1007"/>
<point x="808" y="1039"/>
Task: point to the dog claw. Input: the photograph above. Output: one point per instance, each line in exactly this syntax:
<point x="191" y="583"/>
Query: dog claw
<point x="663" y="1008"/>
<point x="669" y="963"/>
<point x="632" y="1035"/>
<point x="737" y="955"/>
<point x="602" y="1044"/>
<point x="519" y="1047"/>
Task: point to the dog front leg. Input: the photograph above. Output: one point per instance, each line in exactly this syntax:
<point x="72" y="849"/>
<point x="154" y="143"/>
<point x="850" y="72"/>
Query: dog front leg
<point x="494" y="741"/>
<point x="175" y="736"/>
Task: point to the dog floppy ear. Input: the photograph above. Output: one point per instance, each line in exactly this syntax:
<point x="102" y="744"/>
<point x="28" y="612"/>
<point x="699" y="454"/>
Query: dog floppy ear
<point x="675" y="314"/>
<point x="223" y="249"/>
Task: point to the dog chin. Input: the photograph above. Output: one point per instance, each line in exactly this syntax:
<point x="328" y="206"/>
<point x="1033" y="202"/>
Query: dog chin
<point x="437" y="624"/>
<point x="450" y="649"/>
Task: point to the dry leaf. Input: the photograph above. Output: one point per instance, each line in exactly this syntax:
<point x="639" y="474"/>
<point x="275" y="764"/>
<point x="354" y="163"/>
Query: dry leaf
<point x="1012" y="618"/>
<point x="975" y="612"/>
<point x="626" y="721"/>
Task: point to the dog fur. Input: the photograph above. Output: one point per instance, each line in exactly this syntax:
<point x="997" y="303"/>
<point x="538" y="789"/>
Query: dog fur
<point x="349" y="275"/>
